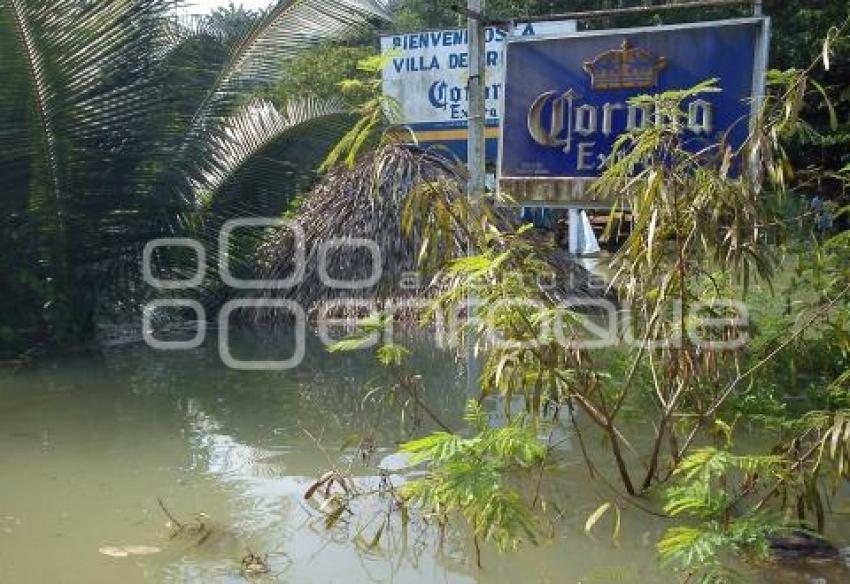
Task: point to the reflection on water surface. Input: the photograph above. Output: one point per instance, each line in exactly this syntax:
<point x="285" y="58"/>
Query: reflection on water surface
<point x="89" y="442"/>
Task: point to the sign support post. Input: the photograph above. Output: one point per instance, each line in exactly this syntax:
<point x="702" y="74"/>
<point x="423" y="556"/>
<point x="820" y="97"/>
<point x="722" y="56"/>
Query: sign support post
<point x="477" y="102"/>
<point x="476" y="148"/>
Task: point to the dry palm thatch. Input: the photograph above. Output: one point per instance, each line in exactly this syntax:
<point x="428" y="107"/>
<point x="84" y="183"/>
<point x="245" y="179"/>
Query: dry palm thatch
<point x="367" y="202"/>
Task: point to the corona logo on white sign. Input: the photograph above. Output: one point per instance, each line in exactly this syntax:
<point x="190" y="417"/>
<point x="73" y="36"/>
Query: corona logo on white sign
<point x="427" y="73"/>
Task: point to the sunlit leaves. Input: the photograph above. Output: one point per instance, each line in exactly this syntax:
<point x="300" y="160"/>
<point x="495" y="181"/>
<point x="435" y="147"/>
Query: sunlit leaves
<point x="392" y="354"/>
<point x="700" y="492"/>
<point x="439" y="447"/>
<point x="374" y="113"/>
<point x="351" y="344"/>
<point x="468" y="476"/>
<point x="705" y="464"/>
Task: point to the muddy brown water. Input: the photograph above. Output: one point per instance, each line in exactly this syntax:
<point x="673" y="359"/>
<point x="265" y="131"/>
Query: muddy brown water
<point x="89" y="442"/>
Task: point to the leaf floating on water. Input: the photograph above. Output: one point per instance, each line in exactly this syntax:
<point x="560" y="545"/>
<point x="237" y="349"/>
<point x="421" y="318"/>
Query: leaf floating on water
<point x="141" y="550"/>
<point x="113" y="552"/>
<point x="321" y="481"/>
<point x="595" y="516"/>
<point x="128" y="550"/>
<point x="334" y="516"/>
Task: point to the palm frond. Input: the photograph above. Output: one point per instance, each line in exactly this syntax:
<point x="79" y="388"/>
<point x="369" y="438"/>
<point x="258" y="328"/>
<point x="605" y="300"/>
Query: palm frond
<point x="218" y="28"/>
<point x="290" y="27"/>
<point x="83" y="70"/>
<point x="251" y="130"/>
<point x="23" y="16"/>
<point x="88" y="75"/>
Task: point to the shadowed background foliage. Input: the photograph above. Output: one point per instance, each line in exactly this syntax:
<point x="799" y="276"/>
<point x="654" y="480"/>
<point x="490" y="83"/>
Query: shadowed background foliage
<point x="120" y="122"/>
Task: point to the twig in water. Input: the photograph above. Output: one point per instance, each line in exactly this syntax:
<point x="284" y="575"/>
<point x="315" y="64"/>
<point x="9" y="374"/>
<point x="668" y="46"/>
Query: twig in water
<point x="171" y="518"/>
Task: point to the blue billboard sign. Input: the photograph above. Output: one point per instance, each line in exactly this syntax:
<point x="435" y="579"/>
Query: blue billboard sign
<point x="567" y="98"/>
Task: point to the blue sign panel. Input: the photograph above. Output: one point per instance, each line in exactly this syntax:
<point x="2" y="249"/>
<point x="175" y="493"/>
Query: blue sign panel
<point x="566" y="99"/>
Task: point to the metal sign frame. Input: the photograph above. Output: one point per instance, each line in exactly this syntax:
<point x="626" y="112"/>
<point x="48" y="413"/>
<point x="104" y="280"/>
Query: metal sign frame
<point x="570" y="192"/>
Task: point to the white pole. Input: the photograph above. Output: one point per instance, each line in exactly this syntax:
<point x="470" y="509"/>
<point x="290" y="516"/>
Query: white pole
<point x="574" y="227"/>
<point x="476" y="146"/>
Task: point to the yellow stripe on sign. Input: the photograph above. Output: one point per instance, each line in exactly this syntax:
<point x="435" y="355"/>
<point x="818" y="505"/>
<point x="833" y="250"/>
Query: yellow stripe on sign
<point x="445" y="135"/>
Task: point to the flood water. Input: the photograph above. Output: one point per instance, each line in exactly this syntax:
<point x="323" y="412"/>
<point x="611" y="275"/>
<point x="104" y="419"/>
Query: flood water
<point x="88" y="443"/>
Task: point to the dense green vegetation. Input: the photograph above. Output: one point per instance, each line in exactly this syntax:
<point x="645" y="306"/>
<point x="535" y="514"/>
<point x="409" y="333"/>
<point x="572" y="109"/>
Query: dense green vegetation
<point x="705" y="238"/>
<point x="121" y="124"/>
<point x="85" y="191"/>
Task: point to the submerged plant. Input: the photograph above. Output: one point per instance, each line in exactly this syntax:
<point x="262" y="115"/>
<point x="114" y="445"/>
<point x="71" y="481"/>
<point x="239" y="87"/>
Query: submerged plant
<point x="468" y="477"/>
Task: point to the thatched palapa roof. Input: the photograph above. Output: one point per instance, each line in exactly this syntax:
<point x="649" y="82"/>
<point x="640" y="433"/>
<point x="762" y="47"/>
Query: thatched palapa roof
<point x="367" y="202"/>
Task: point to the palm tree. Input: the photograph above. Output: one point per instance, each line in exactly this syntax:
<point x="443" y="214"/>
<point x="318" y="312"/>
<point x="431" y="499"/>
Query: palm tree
<point x="118" y="124"/>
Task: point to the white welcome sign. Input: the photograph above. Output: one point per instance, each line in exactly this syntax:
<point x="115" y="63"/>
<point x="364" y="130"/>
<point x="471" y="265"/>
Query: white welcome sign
<point x="427" y="72"/>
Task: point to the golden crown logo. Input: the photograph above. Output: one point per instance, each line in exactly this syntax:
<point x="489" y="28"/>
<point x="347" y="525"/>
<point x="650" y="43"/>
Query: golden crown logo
<point x="625" y="68"/>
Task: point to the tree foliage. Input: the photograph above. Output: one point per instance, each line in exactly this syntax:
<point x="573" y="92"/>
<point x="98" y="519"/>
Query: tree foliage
<point x="122" y="125"/>
<point x="467" y="477"/>
<point x="712" y="221"/>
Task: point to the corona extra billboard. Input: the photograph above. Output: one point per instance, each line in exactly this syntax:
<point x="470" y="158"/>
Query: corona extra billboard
<point x="567" y="97"/>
